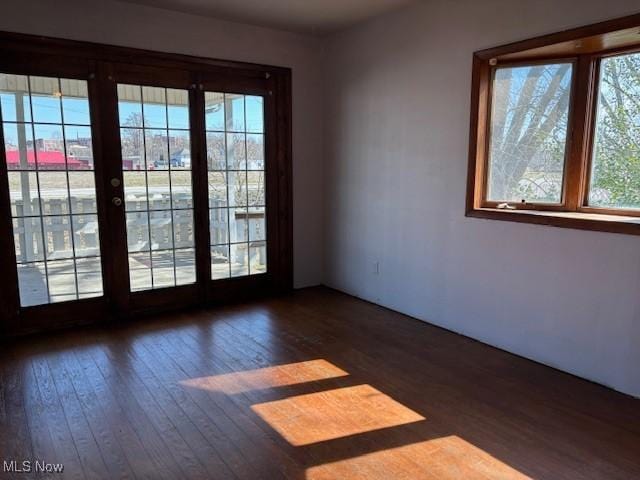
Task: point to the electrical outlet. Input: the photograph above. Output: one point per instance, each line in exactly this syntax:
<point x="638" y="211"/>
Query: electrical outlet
<point x="376" y="268"/>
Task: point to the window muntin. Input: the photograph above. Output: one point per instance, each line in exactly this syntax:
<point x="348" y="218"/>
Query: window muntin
<point x="49" y="155"/>
<point x="615" y="167"/>
<point x="235" y="160"/>
<point x="528" y="133"/>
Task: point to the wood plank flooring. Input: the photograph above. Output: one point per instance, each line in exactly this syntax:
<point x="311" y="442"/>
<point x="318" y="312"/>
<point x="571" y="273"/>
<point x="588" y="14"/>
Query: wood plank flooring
<point x="316" y="385"/>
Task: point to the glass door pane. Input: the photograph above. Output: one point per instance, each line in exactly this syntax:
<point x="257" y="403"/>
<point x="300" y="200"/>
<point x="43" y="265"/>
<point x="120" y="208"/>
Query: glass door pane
<point x="236" y="161"/>
<point x="49" y="155"/>
<point x="156" y="162"/>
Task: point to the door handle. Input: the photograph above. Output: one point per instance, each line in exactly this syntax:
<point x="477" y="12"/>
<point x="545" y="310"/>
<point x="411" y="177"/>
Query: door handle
<point x="117" y="201"/>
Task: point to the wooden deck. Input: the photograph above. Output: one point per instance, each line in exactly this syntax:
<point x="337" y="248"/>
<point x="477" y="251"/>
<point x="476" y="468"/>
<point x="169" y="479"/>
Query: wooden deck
<point x="317" y="385"/>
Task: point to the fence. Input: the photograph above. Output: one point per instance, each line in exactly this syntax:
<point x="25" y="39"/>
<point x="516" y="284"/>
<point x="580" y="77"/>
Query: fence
<point x="157" y="222"/>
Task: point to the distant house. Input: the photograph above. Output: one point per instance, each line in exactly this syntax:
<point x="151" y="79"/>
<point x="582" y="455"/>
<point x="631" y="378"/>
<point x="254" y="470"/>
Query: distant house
<point x="181" y="158"/>
<point x="133" y="162"/>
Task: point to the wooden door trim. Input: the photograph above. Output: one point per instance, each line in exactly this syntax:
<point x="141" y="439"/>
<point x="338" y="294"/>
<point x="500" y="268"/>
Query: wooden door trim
<point x="103" y="65"/>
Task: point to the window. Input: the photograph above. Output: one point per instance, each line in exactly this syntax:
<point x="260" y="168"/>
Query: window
<point x="156" y="162"/>
<point x="50" y="168"/>
<point x="555" y="135"/>
<point x="530" y="109"/>
<point x="235" y="162"/>
<point x="615" y="174"/>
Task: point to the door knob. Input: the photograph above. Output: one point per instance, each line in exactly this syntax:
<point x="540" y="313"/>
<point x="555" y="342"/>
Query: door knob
<point x="115" y="182"/>
<point x="117" y="201"/>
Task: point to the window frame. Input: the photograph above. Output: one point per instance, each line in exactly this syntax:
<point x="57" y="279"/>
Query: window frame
<point x="585" y="48"/>
<point x="486" y="203"/>
<point x="585" y="207"/>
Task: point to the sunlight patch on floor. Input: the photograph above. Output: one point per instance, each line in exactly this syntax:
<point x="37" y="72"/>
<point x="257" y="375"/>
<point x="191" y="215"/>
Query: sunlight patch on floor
<point x="337" y="413"/>
<point x="269" y="377"/>
<point x="446" y="458"/>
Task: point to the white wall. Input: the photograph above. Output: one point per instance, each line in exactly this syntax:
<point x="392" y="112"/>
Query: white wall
<point x="131" y="25"/>
<point x="397" y="127"/>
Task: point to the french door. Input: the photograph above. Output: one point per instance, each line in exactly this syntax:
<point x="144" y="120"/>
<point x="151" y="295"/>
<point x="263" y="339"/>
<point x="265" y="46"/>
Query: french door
<point x="134" y="187"/>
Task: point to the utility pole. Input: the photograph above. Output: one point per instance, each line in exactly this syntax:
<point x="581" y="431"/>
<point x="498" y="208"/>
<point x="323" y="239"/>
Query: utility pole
<point x="27" y="247"/>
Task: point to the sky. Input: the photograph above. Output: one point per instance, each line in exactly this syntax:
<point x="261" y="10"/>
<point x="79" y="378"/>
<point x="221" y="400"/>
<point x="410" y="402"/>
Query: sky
<point x="244" y="114"/>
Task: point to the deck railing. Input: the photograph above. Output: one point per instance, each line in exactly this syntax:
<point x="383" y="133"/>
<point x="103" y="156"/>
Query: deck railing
<point x="62" y="235"/>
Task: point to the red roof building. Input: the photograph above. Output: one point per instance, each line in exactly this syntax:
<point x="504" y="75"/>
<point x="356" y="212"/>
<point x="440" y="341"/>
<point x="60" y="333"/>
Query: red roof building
<point x="50" y="160"/>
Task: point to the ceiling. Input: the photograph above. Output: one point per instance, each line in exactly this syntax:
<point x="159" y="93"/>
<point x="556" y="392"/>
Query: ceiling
<point x="318" y="17"/>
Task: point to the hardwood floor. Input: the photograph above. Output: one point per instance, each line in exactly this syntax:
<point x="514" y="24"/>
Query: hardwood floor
<point x="317" y="385"/>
